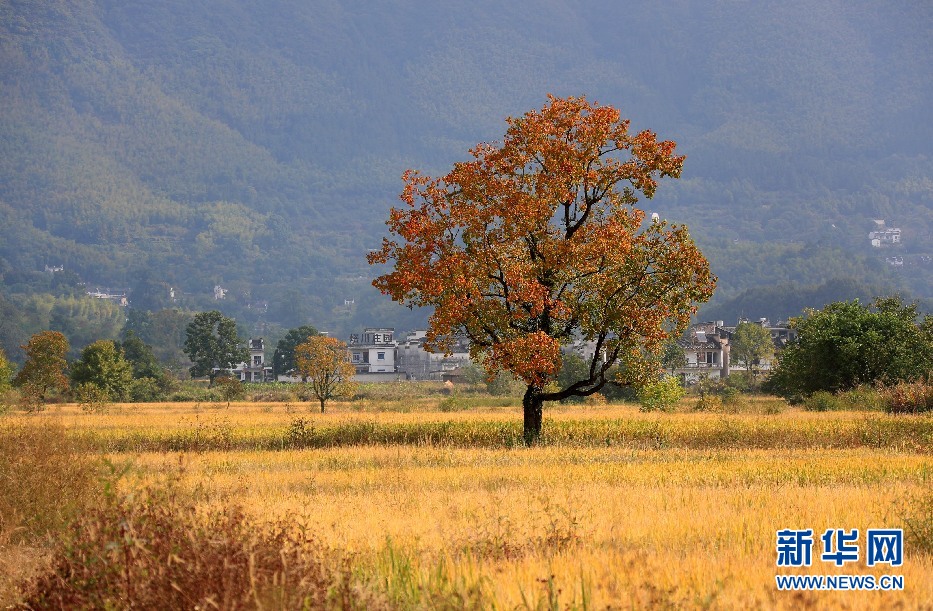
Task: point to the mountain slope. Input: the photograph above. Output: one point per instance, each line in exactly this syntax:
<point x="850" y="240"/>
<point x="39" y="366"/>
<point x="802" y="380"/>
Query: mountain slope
<point x="258" y="145"/>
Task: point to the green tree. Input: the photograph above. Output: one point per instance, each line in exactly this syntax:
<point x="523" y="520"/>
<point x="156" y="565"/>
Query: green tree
<point x="846" y="344"/>
<point x="6" y="372"/>
<point x="141" y="357"/>
<point x="45" y="366"/>
<point x="102" y="366"/>
<point x="283" y="359"/>
<point x="213" y="345"/>
<point x="673" y="356"/>
<point x="751" y="343"/>
<point x="573" y="367"/>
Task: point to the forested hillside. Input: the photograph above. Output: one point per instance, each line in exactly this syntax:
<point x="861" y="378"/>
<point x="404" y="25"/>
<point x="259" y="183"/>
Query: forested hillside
<point x="257" y="145"/>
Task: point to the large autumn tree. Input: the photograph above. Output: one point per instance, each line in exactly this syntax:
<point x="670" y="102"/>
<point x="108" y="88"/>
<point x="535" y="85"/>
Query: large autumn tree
<point x="536" y="242"/>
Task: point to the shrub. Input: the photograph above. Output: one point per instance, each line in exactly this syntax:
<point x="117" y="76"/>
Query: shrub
<point x="743" y="381"/>
<point x="300" y="433"/>
<point x="270" y="393"/>
<point x="194" y="392"/>
<point x="714" y="395"/>
<point x="30" y="398"/>
<point x="822" y="401"/>
<point x="595" y="399"/>
<point x="917" y="516"/>
<point x="504" y="384"/>
<point x="146" y="390"/>
<point x="183" y="396"/>
<point x="452" y="403"/>
<point x="8" y="399"/>
<point x="661" y="394"/>
<point x="863" y="398"/>
<point x="44" y="480"/>
<point x="707" y="402"/>
<point x="730" y="396"/>
<point x="91" y="397"/>
<point x="908" y="398"/>
<point x="156" y="551"/>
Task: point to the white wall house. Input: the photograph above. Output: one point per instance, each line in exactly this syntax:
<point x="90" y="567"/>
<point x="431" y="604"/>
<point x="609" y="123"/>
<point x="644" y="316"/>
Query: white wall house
<point x="707" y="348"/>
<point x="374" y="351"/>
<point x="255" y="370"/>
<point x="416" y="363"/>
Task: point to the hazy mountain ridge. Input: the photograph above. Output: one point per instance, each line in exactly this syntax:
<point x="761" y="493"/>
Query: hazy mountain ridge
<point x="258" y="145"/>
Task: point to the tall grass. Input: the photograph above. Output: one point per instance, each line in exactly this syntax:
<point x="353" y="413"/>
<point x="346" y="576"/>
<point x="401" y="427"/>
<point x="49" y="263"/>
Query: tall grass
<point x="675" y="511"/>
<point x="44" y="482"/>
<point x="156" y="550"/>
<point x="229" y="432"/>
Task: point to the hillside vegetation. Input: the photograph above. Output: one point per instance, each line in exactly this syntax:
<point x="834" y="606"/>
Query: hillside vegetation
<point x="258" y="145"/>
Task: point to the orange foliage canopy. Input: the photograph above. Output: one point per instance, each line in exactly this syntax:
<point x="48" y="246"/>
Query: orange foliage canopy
<point x="324" y="364"/>
<point x="536" y="243"/>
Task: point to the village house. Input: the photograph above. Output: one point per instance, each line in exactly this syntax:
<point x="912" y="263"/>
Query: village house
<point x="883" y="235"/>
<point x="374" y="354"/>
<point x="707" y="348"/>
<point x="416" y="363"/>
<point x="255" y="370"/>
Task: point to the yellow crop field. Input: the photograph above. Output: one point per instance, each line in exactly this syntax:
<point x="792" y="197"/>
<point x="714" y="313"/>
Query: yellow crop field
<point x="615" y="509"/>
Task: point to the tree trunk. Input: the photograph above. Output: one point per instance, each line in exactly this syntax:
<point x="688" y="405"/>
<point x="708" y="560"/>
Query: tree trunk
<point x="532" y="404"/>
<point x="322" y="405"/>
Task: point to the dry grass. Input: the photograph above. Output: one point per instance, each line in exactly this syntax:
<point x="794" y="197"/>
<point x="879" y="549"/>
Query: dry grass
<point x="247" y="426"/>
<point x="678" y="511"/>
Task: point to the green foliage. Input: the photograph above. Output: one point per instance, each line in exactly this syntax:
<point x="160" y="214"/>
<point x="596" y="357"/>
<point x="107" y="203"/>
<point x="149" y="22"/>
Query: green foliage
<point x="44" y="370"/>
<point x="149" y="148"/>
<point x="7" y="370"/>
<point x="102" y="366"/>
<point x="140" y="357"/>
<point x="822" y="401"/>
<point x="504" y="384"/>
<point x="212" y="344"/>
<point x="673" y="356"/>
<point x="453" y="403"/>
<point x="85" y="319"/>
<point x="572" y="368"/>
<point x="163" y="330"/>
<point x="91" y="398"/>
<point x="473" y="374"/>
<point x="847" y="344"/>
<point x="751" y="343"/>
<point x="660" y="395"/>
<point x="283" y="359"/>
<point x="146" y="390"/>
<point x="717" y="394"/>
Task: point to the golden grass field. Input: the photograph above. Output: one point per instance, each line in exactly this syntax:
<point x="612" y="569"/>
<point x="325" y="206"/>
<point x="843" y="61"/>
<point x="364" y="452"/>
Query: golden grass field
<point x="615" y="509"/>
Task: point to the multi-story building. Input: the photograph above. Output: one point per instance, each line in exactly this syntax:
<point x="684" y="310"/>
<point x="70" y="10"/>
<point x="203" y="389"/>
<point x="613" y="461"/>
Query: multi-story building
<point x="255" y="370"/>
<point x="419" y="364"/>
<point x="374" y="350"/>
<point x="707" y="348"/>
